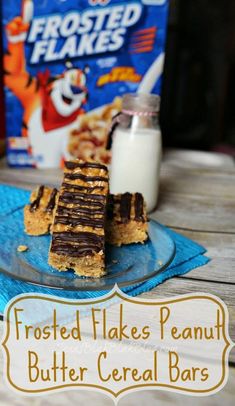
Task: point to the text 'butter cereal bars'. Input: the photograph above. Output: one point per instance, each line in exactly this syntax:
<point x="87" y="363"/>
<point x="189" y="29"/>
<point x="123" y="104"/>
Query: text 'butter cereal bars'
<point x="38" y="215"/>
<point x="126" y="219"/>
<point x="78" y="231"/>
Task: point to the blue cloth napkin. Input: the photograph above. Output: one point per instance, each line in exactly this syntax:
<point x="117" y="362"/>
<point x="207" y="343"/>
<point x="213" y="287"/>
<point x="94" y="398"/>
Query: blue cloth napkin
<point x="189" y="255"/>
<point x="11" y="199"/>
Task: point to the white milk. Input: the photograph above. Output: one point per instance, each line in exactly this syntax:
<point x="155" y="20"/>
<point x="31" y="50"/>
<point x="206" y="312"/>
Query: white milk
<point x="135" y="166"/>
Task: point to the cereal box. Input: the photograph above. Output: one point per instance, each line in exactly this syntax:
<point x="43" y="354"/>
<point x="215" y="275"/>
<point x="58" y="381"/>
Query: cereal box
<point x="67" y="64"/>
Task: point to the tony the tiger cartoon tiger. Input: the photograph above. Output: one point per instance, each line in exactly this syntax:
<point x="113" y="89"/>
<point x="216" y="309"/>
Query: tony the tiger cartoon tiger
<point x="51" y="104"/>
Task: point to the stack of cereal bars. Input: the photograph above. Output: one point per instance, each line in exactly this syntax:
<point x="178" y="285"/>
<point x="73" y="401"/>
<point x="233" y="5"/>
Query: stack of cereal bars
<point x="82" y="216"/>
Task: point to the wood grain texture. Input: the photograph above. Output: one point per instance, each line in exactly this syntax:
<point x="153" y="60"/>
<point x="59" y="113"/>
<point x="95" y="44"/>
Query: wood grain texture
<point x="197" y="199"/>
<point x="220" y="247"/>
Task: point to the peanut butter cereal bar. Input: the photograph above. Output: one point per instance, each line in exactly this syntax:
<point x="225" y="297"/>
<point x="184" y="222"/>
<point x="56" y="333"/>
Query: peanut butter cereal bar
<point x="38" y="215"/>
<point x="126" y="219"/>
<point x="78" y="231"/>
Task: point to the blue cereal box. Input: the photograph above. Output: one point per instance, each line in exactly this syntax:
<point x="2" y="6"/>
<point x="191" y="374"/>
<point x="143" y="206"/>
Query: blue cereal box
<point x="67" y="64"/>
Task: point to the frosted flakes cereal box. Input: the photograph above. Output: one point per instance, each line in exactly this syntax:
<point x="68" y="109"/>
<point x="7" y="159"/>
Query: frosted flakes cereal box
<point x="67" y="64"/>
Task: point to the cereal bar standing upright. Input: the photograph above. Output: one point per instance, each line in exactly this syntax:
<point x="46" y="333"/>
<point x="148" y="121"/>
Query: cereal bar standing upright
<point x="78" y="231"/>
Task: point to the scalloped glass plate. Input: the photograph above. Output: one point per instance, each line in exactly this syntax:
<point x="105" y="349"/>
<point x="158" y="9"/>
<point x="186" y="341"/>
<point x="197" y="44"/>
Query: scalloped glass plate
<point x="127" y="265"/>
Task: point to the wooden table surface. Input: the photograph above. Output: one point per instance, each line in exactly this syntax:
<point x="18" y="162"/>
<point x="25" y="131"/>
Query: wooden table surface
<point x="197" y="199"/>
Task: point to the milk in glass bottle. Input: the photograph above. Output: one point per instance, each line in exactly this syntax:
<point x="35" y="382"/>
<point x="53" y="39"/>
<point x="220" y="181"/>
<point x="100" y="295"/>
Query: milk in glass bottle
<point x="136" y="148"/>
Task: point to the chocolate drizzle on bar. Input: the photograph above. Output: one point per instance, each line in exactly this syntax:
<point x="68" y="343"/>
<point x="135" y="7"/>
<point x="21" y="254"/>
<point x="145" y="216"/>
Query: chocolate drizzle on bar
<point x="86" y="189"/>
<point x="63" y="210"/>
<point x="124" y="203"/>
<point x="80" y="205"/>
<point x="80" y="237"/>
<point x="79" y="221"/>
<point x="81" y="202"/>
<point x="51" y="204"/>
<point x="110" y="207"/>
<point x="139" y="207"/>
<point x="88" y="243"/>
<point x="35" y="204"/>
<point x="125" y="207"/>
<point x="84" y="196"/>
<point x="95" y="165"/>
<point x="72" y="251"/>
<point x="85" y="178"/>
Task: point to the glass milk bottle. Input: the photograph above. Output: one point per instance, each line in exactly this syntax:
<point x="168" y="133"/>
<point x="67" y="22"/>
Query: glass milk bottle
<point x="136" y="148"/>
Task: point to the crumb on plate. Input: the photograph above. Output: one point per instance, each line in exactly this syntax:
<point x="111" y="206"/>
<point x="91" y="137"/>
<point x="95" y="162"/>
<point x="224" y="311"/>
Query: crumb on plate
<point x="22" y="248"/>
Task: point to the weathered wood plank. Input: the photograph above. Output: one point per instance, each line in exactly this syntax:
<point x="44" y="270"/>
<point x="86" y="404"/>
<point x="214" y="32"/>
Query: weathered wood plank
<point x="198" y="159"/>
<point x="218" y="270"/>
<point x="196" y="212"/>
<point x="198" y="182"/>
<point x="28" y="178"/>
<point x="220" y="248"/>
<point x="218" y="245"/>
<point x="197" y="198"/>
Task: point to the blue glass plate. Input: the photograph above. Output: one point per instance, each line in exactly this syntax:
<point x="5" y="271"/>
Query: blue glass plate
<point x="126" y="265"/>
